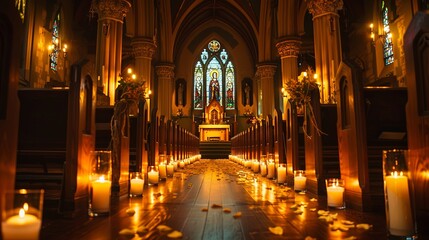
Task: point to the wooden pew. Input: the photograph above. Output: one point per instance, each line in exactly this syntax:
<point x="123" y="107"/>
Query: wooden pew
<point x="11" y="33"/>
<point x="367" y="120"/>
<point x="56" y="138"/>
<point x="416" y="55"/>
<point x="321" y="148"/>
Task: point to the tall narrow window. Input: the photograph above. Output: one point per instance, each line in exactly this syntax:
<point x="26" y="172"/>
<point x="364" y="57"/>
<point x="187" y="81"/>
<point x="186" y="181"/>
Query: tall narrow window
<point x="53" y="56"/>
<point x="387" y="43"/>
<point x="214" y="78"/>
<point x="20" y="5"/>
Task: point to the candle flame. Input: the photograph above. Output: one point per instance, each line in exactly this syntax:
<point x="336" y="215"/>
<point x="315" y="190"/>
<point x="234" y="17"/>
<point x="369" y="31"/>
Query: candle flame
<point x="396" y="174"/>
<point x="101" y="178"/>
<point x="25" y="207"/>
<point x="21" y="212"/>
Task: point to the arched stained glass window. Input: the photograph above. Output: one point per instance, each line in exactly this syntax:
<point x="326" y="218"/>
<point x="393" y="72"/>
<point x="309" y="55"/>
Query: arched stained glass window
<point x="214" y="78"/>
<point x="53" y="56"/>
<point x="387" y="41"/>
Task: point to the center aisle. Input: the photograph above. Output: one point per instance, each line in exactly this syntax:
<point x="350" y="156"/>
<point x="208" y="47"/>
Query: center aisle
<point x="219" y="199"/>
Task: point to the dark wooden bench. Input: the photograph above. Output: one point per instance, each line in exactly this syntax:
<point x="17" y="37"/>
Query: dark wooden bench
<point x="370" y="120"/>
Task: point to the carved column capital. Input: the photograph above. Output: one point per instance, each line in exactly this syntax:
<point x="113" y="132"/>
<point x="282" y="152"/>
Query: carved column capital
<point x="321" y="7"/>
<point x="165" y="71"/>
<point x="143" y="47"/>
<point x="110" y="9"/>
<point x="266" y="70"/>
<point x="288" y="48"/>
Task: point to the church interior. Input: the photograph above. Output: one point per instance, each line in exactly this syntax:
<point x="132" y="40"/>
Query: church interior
<point x="214" y="119"/>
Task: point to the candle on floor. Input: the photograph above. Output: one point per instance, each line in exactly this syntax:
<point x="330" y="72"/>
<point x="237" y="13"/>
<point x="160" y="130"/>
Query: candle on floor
<point x="136" y="184"/>
<point x="170" y="169"/>
<point x="153" y="175"/>
<point x="21" y="226"/>
<point x="300" y="180"/>
<point x="100" y="198"/>
<point x="281" y="173"/>
<point x="271" y="169"/>
<point x="182" y="164"/>
<point x="401" y="222"/>
<point x="162" y="171"/>
<point x="255" y="166"/>
<point x="335" y="193"/>
<point x="263" y="169"/>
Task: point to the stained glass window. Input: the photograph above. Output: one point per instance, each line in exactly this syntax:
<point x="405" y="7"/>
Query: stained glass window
<point x="387" y="43"/>
<point x="214" y="77"/>
<point x="53" y="56"/>
<point x="20" y="5"/>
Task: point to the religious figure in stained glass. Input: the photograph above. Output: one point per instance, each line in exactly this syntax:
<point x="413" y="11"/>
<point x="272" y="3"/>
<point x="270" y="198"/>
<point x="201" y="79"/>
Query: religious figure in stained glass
<point x="387" y="44"/>
<point x="214" y="77"/>
<point x="214" y="87"/>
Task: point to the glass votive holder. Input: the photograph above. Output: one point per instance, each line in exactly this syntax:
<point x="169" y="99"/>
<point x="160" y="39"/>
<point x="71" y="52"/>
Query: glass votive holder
<point x="300" y="181"/>
<point x="170" y="169"/>
<point x="271" y="169"/>
<point x="263" y="167"/>
<point x="100" y="183"/>
<point x="152" y="175"/>
<point x="281" y="173"/>
<point x="335" y="193"/>
<point x="162" y="168"/>
<point x="22" y="214"/>
<point x="398" y="194"/>
<point x="136" y="184"/>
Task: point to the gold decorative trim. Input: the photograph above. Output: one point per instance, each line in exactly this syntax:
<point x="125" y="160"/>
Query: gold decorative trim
<point x="165" y="71"/>
<point x="288" y="48"/>
<point x="110" y="9"/>
<point x="321" y="7"/>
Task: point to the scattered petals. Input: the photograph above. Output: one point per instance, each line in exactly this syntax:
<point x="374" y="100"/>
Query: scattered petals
<point x="142" y="230"/>
<point x="347" y="222"/>
<point x="127" y="233"/>
<point x="205" y="209"/>
<point x="175" y="234"/>
<point x="216" y="205"/>
<point x="313" y="209"/>
<point x="163" y="228"/>
<point x="226" y="210"/>
<point x="313" y="200"/>
<point x="237" y="215"/>
<point x="363" y="226"/>
<point x="299" y="211"/>
<point x="350" y="238"/>
<point x="309" y="238"/>
<point x="276" y="230"/>
<point x="130" y="212"/>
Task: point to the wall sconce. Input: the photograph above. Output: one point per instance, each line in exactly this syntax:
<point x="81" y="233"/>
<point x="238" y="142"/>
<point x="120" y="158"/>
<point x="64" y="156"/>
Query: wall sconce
<point x="382" y="37"/>
<point x="55" y="48"/>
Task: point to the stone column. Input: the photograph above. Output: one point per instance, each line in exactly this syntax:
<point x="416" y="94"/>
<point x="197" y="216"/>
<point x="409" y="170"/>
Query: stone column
<point x="288" y="50"/>
<point x="165" y="75"/>
<point x="265" y="74"/>
<point x="109" y="42"/>
<point x="327" y="44"/>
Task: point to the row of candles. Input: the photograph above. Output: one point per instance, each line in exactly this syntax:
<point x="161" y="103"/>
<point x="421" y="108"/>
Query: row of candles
<point x="400" y="215"/>
<point x="271" y="170"/>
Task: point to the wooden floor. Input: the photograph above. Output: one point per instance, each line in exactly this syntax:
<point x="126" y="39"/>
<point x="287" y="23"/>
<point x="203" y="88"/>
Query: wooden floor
<point x="196" y="203"/>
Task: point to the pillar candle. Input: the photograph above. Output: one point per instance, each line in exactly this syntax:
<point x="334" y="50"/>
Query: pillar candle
<point x="175" y="164"/>
<point x="100" y="201"/>
<point x="271" y="166"/>
<point x="300" y="182"/>
<point x="162" y="171"/>
<point x="153" y="177"/>
<point x="136" y="186"/>
<point x="170" y="170"/>
<point x="398" y="201"/>
<point x="281" y="173"/>
<point x="255" y="166"/>
<point x="335" y="196"/>
<point x="182" y="164"/>
<point x="22" y="226"/>
<point x="263" y="169"/>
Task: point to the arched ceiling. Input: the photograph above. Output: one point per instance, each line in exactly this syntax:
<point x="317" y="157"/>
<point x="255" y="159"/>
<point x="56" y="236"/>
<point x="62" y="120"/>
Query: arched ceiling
<point x="239" y="15"/>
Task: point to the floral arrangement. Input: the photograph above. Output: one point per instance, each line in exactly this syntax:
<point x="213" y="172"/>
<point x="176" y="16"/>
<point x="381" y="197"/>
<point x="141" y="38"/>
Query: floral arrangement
<point x="298" y="92"/>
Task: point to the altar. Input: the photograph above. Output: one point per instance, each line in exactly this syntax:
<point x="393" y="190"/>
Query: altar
<point x="214" y="132"/>
<point x="214" y="128"/>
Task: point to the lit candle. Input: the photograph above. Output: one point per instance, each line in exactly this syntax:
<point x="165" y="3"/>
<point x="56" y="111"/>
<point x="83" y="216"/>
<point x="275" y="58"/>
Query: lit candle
<point x="101" y="195"/>
<point x="153" y="177"/>
<point x="335" y="194"/>
<point x="136" y="188"/>
<point x="263" y="169"/>
<point x="300" y="181"/>
<point x="170" y="170"/>
<point x="398" y="200"/>
<point x="281" y="173"/>
<point x="162" y="171"/>
<point x="182" y="164"/>
<point x="21" y="226"/>
<point x="271" y="167"/>
<point x="175" y="164"/>
<point x="255" y="166"/>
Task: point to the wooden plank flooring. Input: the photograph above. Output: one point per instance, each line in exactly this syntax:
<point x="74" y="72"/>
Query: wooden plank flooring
<point x="179" y="203"/>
